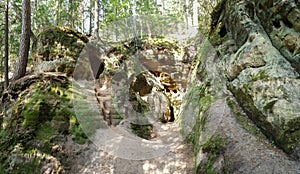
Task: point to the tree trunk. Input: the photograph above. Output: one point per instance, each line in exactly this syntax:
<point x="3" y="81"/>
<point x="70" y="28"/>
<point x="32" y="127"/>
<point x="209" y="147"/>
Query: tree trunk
<point x="57" y="13"/>
<point x="18" y="12"/>
<point x="96" y="20"/>
<point x="6" y="82"/>
<point x="195" y="14"/>
<point x="188" y="13"/>
<point x="101" y="11"/>
<point x="91" y="17"/>
<point x="134" y="18"/>
<point x="36" y="2"/>
<point x="20" y="69"/>
<point x="83" y="16"/>
<point x="70" y="16"/>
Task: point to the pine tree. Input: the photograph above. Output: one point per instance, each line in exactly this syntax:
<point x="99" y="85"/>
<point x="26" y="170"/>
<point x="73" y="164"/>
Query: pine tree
<point x="20" y="69"/>
<point x="6" y="47"/>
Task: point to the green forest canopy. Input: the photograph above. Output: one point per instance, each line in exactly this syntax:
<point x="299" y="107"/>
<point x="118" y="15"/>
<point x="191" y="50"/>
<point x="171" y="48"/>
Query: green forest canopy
<point x="88" y="16"/>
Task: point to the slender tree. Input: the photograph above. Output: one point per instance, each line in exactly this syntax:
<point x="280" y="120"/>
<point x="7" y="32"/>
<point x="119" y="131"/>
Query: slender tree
<point x="20" y="69"/>
<point x="195" y="14"/>
<point x="19" y="14"/>
<point x="6" y="47"/>
<point x="70" y="14"/>
<point x="91" y="17"/>
<point x="96" y="20"/>
<point x="33" y="20"/>
<point x="134" y="17"/>
<point x="57" y="12"/>
<point x="83" y="16"/>
<point x="188" y="14"/>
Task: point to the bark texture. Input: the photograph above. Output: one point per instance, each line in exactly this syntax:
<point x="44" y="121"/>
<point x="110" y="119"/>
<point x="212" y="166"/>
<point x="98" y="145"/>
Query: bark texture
<point x="20" y="69"/>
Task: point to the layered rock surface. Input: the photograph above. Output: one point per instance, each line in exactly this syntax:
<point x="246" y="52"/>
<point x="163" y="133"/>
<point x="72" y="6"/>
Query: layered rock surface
<point x="263" y="72"/>
<point x="256" y="66"/>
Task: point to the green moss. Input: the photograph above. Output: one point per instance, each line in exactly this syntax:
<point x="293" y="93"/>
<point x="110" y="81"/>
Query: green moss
<point x="35" y="109"/>
<point x="45" y="132"/>
<point x="261" y="75"/>
<point x="194" y="94"/>
<point x="199" y="97"/>
<point x="143" y="131"/>
<point x="31" y="163"/>
<point x="55" y="43"/>
<point x="30" y="114"/>
<point x="80" y="136"/>
<point x="119" y="116"/>
<point x="44" y="111"/>
<point x="205" y="103"/>
<point x="269" y="105"/>
<point x="7" y="142"/>
<point x="289" y="141"/>
<point x="213" y="147"/>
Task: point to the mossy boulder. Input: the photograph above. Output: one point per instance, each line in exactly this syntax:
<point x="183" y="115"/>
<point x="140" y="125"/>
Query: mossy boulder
<point x="37" y="116"/>
<point x="57" y="50"/>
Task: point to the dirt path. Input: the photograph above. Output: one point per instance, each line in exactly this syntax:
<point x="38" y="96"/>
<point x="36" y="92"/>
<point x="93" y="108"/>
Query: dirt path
<point x="178" y="160"/>
<point x="115" y="150"/>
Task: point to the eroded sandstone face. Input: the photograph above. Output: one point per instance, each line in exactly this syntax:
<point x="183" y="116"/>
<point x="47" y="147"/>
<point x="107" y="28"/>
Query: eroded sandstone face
<point x="246" y="94"/>
<point x="149" y="81"/>
<point x="263" y="73"/>
<point x="282" y="25"/>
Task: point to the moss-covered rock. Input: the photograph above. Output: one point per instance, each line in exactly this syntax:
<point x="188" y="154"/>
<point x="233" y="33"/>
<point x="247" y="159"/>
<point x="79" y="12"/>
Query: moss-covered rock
<point x="57" y="50"/>
<point x="37" y="115"/>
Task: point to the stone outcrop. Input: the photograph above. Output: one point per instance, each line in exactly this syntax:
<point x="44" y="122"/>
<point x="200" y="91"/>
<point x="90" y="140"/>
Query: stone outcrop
<point x="263" y="73"/>
<point x="255" y="66"/>
<point x="152" y="79"/>
<point x="39" y="131"/>
<point x="57" y="50"/>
